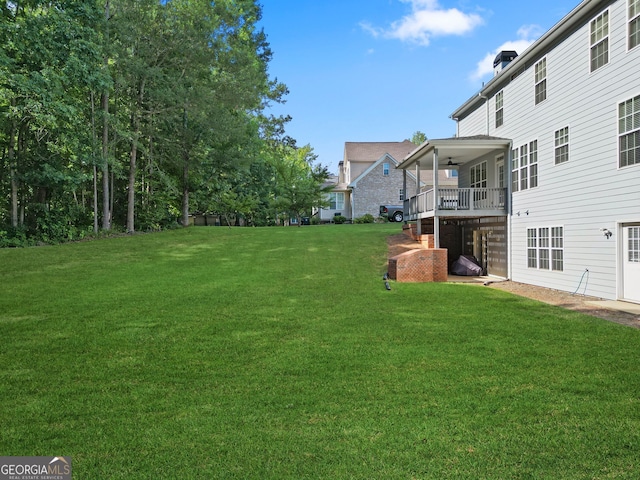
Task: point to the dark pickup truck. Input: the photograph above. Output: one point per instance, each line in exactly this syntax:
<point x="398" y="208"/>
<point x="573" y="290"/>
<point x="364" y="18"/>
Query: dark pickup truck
<point x="395" y="213"/>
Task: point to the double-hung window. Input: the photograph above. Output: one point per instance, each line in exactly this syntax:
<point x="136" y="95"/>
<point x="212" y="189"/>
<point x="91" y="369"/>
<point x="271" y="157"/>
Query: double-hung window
<point x="557" y="249"/>
<point x="500" y="108"/>
<point x="533" y="164"/>
<point x="515" y="169"/>
<point x="562" y="145"/>
<point x="599" y="40"/>
<point x="524" y="167"/>
<point x="479" y="180"/>
<point x="629" y="132"/>
<point x="634" y="23"/>
<point x="336" y="200"/>
<point x="385" y="169"/>
<point x="541" y="80"/>
<point x="545" y="248"/>
<point x="524" y="174"/>
<point x="479" y="175"/>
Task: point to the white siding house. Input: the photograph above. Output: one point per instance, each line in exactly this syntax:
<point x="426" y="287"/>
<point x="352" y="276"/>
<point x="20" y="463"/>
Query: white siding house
<point x="569" y="106"/>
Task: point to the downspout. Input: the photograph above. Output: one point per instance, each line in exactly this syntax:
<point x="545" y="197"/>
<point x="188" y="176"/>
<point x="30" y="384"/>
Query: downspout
<point x="509" y="213"/>
<point x="486" y="102"/>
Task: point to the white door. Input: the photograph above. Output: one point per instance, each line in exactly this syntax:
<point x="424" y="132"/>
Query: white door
<point x="631" y="263"/>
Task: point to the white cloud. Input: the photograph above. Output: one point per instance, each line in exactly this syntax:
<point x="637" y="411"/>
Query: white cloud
<point x="427" y="19"/>
<point x="526" y="36"/>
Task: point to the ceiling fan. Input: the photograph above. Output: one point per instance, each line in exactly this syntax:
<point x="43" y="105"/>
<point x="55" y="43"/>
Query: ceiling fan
<point x="452" y="164"/>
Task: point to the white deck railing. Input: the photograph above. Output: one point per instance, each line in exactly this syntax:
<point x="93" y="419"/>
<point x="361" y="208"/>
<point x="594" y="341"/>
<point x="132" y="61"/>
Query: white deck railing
<point x="454" y="199"/>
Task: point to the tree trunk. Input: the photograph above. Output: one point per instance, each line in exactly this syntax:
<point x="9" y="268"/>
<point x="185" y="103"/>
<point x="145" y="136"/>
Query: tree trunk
<point x="106" y="210"/>
<point x="94" y="139"/>
<point x="104" y="102"/>
<point x="185" y="192"/>
<point x="135" y="136"/>
<point x="132" y="184"/>
<point x="13" y="173"/>
<point x="185" y="173"/>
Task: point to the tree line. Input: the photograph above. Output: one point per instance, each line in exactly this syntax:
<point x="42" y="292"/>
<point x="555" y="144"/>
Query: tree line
<point x="133" y="114"/>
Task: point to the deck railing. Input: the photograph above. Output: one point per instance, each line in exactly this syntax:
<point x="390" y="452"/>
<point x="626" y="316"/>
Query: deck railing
<point x="454" y="199"/>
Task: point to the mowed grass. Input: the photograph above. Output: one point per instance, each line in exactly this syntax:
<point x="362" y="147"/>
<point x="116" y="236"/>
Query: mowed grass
<point x="277" y="353"/>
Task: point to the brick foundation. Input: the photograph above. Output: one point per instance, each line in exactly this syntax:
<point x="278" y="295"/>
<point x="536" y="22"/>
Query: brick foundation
<point x="420" y="265"/>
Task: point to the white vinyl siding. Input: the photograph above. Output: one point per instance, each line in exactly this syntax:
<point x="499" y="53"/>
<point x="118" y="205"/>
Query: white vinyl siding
<point x="541" y="81"/>
<point x="562" y="145"/>
<point x="629" y="131"/>
<point x="499" y="109"/>
<point x="634" y="23"/>
<point x="589" y="191"/>
<point x="599" y="28"/>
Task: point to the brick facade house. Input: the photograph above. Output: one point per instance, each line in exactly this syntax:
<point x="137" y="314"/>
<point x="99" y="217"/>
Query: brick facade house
<point x="368" y="178"/>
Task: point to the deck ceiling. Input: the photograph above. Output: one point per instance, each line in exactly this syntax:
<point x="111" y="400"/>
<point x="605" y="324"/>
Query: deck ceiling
<point x="459" y="150"/>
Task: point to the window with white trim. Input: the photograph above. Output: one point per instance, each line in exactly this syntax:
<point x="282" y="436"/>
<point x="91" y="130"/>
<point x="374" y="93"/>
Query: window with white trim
<point x="562" y="145"/>
<point x="525" y="167"/>
<point x="599" y="40"/>
<point x="385" y="169"/>
<point x="634" y="23"/>
<point x="634" y="245"/>
<point x="557" y="249"/>
<point x="629" y="132"/>
<point x="514" y="173"/>
<point x="500" y="108"/>
<point x="401" y="195"/>
<point x="533" y="164"/>
<point x="541" y="80"/>
<point x="532" y="247"/>
<point x="545" y="248"/>
<point x="336" y="200"/>
<point x="478" y="176"/>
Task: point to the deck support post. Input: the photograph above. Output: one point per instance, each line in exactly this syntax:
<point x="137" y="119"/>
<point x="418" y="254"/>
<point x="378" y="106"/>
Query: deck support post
<point x="436" y="220"/>
<point x="418" y="219"/>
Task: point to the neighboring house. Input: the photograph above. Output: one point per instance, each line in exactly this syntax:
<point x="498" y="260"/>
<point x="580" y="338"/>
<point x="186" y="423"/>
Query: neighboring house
<point x="368" y="178"/>
<point x="549" y="155"/>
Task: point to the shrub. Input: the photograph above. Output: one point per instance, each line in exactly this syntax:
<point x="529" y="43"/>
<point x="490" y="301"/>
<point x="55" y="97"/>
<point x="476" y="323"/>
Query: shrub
<point x="366" y="218"/>
<point x="338" y="219"/>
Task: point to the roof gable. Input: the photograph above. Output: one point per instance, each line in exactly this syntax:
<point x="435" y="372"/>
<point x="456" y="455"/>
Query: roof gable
<point x="383" y="159"/>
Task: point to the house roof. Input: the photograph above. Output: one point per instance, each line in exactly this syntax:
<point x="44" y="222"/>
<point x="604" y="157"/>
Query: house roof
<point x="372" y="151"/>
<point x="456" y="149"/>
<point x="571" y="22"/>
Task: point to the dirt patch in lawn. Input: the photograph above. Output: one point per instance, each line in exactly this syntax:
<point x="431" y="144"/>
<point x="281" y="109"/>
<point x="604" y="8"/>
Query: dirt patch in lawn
<point x="401" y="243"/>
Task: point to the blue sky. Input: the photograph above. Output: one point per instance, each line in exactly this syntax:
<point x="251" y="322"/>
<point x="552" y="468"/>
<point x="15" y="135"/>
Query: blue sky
<point x="379" y="70"/>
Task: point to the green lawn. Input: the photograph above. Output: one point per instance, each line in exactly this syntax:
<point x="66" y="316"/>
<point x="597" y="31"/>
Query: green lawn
<point x="277" y="353"/>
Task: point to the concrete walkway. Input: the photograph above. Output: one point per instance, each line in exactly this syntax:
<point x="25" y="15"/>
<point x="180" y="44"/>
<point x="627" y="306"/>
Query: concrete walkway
<point x="632" y="308"/>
